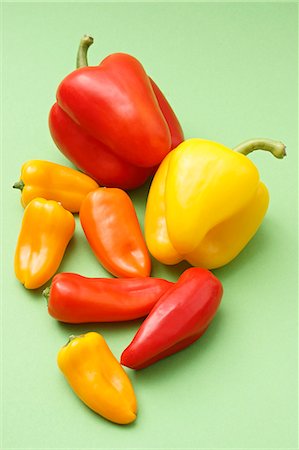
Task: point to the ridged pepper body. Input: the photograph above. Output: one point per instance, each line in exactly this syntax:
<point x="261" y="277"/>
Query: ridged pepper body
<point x="113" y="122"/>
<point x="54" y="182"/>
<point x="73" y="298"/>
<point x="178" y="319"/>
<point x="45" y="233"/>
<point x="205" y="203"/>
<point x="97" y="378"/>
<point x="111" y="227"/>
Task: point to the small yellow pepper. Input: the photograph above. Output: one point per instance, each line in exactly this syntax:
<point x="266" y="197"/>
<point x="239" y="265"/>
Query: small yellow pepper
<point x="97" y="377"/>
<point x="45" y="233"/>
<point x="206" y="202"/>
<point x="54" y="182"/>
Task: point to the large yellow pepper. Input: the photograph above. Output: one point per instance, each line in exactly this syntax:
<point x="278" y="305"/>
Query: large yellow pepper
<point x="206" y="202"/>
<point x="45" y="233"/>
<point x="97" y="377"/>
<point x="54" y="182"/>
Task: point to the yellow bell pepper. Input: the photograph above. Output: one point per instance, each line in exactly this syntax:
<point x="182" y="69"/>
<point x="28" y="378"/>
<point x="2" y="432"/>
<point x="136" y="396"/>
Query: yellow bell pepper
<point x="97" y="377"/>
<point x="45" y="233"/>
<point x="206" y="202"/>
<point x="54" y="182"/>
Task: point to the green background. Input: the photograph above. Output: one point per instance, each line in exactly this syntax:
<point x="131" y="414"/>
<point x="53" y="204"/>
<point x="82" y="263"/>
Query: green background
<point x="230" y="72"/>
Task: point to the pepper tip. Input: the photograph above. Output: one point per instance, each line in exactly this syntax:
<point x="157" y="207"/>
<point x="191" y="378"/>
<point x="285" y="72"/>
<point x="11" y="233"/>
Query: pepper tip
<point x="283" y="151"/>
<point x="88" y="39"/>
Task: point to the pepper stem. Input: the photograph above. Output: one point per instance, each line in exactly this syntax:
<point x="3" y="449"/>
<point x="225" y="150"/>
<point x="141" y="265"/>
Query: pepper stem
<point x="85" y="43"/>
<point x="277" y="148"/>
<point x="71" y="338"/>
<point x="46" y="293"/>
<point x="19" y="185"/>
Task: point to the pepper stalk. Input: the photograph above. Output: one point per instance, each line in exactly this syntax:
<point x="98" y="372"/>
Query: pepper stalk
<point x="277" y="148"/>
<point x="85" y="43"/>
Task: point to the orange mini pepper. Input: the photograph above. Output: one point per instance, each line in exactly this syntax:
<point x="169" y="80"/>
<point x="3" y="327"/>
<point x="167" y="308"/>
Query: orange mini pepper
<point x="111" y="226"/>
<point x="54" y="182"/>
<point x="45" y="233"/>
<point x="97" y="377"/>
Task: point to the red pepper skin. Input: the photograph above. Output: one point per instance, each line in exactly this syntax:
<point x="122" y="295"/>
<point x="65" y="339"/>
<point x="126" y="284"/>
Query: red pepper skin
<point x="111" y="112"/>
<point x="177" y="320"/>
<point x="92" y="156"/>
<point x="77" y="299"/>
<point x="175" y="128"/>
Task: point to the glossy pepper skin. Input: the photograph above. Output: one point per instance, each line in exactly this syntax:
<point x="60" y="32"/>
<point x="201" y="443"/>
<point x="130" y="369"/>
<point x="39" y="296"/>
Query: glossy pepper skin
<point x="97" y="378"/>
<point x="206" y="202"/>
<point x="45" y="233"/>
<point x="111" y="227"/>
<point x="178" y="319"/>
<point x="54" y="182"/>
<point x="112" y="121"/>
<point x="73" y="298"/>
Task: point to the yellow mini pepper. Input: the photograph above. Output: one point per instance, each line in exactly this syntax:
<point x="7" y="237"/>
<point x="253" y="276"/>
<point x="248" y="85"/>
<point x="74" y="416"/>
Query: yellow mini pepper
<point x="206" y="202"/>
<point x="97" y="377"/>
<point x="45" y="233"/>
<point x="54" y="182"/>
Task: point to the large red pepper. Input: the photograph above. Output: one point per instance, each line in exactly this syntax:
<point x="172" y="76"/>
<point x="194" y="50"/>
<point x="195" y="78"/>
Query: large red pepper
<point x="112" y="121"/>
<point x="73" y="298"/>
<point x="178" y="319"/>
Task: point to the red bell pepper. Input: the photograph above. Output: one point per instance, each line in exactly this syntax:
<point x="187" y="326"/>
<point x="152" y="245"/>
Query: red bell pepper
<point x="112" y="121"/>
<point x="177" y="320"/>
<point x="73" y="298"/>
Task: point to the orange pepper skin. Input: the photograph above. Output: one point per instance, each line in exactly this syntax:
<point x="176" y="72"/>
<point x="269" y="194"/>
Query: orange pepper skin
<point x="54" y="182"/>
<point x="97" y="377"/>
<point x="45" y="233"/>
<point x="111" y="226"/>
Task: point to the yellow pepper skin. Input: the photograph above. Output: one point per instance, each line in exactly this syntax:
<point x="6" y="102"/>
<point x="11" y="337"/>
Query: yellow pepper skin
<point x="206" y="202"/>
<point x="45" y="233"/>
<point x="97" y="377"/>
<point x="54" y="182"/>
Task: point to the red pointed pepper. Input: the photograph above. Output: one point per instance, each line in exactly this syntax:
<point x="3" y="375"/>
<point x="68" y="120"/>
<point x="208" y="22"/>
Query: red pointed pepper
<point x="178" y="319"/>
<point x="73" y="298"/>
<point x="112" y="121"/>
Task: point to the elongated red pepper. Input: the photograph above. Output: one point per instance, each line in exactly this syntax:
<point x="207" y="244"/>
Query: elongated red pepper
<point x="177" y="320"/>
<point x="112" y="121"/>
<point x="73" y="298"/>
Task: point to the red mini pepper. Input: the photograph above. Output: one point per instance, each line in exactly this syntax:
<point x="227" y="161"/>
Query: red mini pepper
<point x="178" y="319"/>
<point x="112" y="121"/>
<point x="111" y="227"/>
<point x="73" y="298"/>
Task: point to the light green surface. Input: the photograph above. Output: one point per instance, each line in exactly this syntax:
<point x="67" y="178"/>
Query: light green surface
<point x="230" y="72"/>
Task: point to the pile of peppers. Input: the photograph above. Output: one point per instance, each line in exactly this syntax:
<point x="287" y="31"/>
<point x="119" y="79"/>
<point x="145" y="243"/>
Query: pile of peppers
<point x="205" y="203"/>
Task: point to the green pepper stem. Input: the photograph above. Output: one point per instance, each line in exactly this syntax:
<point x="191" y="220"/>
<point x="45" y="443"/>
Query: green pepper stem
<point x="46" y="293"/>
<point x="70" y="339"/>
<point x="19" y="185"/>
<point x="277" y="148"/>
<point x="85" y="43"/>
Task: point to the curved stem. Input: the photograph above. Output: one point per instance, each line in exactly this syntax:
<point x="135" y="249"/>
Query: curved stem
<point x="277" y="148"/>
<point x="85" y="43"/>
<point x="19" y="185"/>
